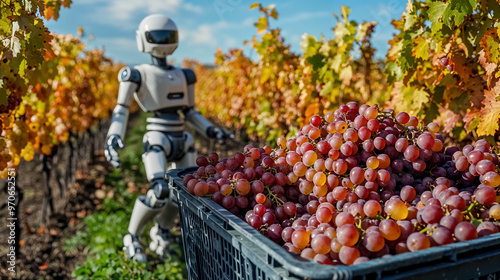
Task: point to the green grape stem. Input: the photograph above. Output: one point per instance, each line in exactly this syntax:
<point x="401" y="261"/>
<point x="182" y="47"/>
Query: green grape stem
<point x="273" y="197"/>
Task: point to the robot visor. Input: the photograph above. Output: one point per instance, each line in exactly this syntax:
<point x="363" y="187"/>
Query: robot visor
<point x="161" y="36"/>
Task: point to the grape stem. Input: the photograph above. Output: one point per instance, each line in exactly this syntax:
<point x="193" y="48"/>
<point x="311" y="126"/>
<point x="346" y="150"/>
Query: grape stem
<point x="273" y="197"/>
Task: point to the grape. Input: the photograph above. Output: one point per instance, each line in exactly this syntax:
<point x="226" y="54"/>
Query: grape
<point x="379" y="143"/>
<point x="241" y="202"/>
<point x="228" y="201"/>
<point x="401" y="145"/>
<point x="444" y="61"/>
<point x="341" y="126"/>
<point x="449" y="222"/>
<point x="372" y="162"/>
<point x="408" y="193"/>
<point x="373" y="241"/>
<point x="389" y="229"/>
<point x="418" y="241"/>
<point x="324" y="215"/>
<point x="321" y="244"/>
<point x="372" y="208"/>
<point x="411" y="153"/>
<point x="403" y="117"/>
<point x="383" y="176"/>
<point x="486" y="228"/>
<point x="344" y="218"/>
<point x="495" y="211"/>
<point x="491" y="179"/>
<point x="300" y="238"/>
<point x="465" y="231"/>
<point x="322" y="259"/>
<point x="384" y="161"/>
<point x="348" y="255"/>
<point x="309" y="158"/>
<point x="432" y="214"/>
<point x="485" y="195"/>
<point x="259" y="209"/>
<point x="290" y="208"/>
<point x="371" y="113"/>
<point x="202" y="161"/>
<point x="396" y="209"/>
<point x="242" y="187"/>
<point x="316" y="120"/>
<point x="274" y="231"/>
<point x="462" y="163"/>
<point x="357" y="175"/>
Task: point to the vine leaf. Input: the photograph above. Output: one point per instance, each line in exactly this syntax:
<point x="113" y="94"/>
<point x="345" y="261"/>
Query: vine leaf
<point x="422" y="48"/>
<point x="436" y="10"/>
<point x="458" y="10"/>
<point x="490" y="44"/>
<point x="490" y="112"/>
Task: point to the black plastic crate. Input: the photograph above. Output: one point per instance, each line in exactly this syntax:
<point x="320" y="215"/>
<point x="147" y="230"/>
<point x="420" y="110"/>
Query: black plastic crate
<point x="218" y="245"/>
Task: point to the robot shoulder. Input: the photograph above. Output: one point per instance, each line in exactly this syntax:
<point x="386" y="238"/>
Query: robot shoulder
<point x="128" y="74"/>
<point x="190" y="76"/>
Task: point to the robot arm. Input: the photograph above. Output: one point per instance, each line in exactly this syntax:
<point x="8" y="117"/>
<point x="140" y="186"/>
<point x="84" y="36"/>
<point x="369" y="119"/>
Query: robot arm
<point x="130" y="80"/>
<point x="194" y="119"/>
<point x="204" y="127"/>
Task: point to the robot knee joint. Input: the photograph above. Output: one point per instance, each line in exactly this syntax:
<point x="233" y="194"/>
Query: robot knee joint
<point x="160" y="189"/>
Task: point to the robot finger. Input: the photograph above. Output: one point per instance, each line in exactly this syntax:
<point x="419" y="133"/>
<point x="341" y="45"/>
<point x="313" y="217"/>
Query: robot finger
<point x="115" y="163"/>
<point x="120" y="143"/>
<point x="113" y="153"/>
<point x="107" y="155"/>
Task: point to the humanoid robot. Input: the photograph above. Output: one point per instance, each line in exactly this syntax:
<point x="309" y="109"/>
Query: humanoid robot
<point x="169" y="93"/>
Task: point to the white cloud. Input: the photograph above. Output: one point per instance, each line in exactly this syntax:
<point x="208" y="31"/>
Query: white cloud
<point x="125" y="13"/>
<point x="117" y="42"/>
<point x="123" y="9"/>
<point x="231" y="42"/>
<point x="205" y="33"/>
<point x="295" y="39"/>
<point x="193" y="8"/>
<point x="305" y="16"/>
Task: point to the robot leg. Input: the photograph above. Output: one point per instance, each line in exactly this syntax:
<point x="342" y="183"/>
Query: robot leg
<point x="165" y="220"/>
<point x="147" y="207"/>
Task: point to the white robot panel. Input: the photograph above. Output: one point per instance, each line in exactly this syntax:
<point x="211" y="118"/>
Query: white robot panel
<point x="161" y="88"/>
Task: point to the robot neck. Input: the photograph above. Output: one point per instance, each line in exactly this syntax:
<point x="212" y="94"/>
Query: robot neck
<point x="160" y="62"/>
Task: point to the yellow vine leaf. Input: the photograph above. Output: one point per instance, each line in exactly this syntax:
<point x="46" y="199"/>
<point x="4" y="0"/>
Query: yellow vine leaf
<point x="422" y="48"/>
<point x="48" y="13"/>
<point x="490" y="112"/>
<point x="311" y="110"/>
<point x="346" y="75"/>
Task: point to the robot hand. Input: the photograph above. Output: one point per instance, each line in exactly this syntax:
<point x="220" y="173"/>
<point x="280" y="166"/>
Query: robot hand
<point x="222" y="135"/>
<point x="113" y="143"/>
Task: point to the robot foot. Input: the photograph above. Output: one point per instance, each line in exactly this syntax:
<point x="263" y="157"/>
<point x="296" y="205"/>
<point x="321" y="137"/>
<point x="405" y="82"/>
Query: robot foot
<point x="160" y="241"/>
<point x="133" y="248"/>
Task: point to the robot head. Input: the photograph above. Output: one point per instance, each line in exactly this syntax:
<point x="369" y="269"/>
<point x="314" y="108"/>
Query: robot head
<point x="157" y="35"/>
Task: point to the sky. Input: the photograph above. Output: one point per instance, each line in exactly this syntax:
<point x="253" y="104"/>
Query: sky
<point x="206" y="25"/>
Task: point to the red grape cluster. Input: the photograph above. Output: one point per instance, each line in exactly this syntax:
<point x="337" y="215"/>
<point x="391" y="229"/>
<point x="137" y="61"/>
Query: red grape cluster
<point x="445" y="62"/>
<point x="12" y="102"/>
<point x="358" y="184"/>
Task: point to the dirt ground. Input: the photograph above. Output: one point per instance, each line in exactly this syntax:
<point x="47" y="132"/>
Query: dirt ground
<point x="41" y="254"/>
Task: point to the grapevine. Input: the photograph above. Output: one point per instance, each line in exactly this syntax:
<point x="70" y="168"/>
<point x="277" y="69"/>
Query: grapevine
<point x="64" y="91"/>
<point x="445" y="72"/>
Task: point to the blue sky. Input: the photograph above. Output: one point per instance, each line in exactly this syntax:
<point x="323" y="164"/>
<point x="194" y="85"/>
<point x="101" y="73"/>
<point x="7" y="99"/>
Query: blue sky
<point x="205" y="25"/>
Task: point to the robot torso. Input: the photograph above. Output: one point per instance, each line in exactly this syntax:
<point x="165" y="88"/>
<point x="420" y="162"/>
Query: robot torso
<point x="163" y="89"/>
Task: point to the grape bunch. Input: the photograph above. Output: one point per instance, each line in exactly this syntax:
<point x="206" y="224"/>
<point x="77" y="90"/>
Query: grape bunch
<point x="358" y="184"/>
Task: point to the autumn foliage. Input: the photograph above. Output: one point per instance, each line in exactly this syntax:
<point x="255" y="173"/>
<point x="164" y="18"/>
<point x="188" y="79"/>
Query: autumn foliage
<point x="277" y="93"/>
<point x="51" y="87"/>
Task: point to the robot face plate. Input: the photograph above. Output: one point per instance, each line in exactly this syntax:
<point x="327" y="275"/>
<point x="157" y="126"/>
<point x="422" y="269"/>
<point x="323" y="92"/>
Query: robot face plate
<point x="161" y="36"/>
